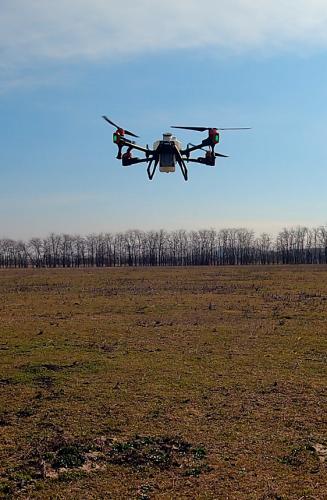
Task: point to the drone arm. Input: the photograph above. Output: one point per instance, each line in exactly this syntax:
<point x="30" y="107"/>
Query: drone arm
<point x="132" y="145"/>
<point x="189" y="150"/>
<point x="126" y="162"/>
<point x="181" y="163"/>
<point x="194" y="147"/>
<point x="203" y="161"/>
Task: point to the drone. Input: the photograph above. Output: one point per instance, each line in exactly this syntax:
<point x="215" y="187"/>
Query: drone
<point x="168" y="151"/>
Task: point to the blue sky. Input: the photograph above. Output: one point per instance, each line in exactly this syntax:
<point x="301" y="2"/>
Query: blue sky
<point x="214" y="63"/>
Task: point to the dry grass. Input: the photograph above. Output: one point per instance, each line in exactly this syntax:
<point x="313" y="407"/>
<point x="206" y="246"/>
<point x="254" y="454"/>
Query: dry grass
<point x="164" y="383"/>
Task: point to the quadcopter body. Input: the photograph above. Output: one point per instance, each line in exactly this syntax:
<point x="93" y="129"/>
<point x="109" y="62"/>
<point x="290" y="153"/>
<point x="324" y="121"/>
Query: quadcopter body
<point x="168" y="152"/>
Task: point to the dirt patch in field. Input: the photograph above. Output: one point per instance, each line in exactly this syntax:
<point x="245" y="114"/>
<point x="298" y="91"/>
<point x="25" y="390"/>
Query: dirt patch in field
<point x="164" y="383"/>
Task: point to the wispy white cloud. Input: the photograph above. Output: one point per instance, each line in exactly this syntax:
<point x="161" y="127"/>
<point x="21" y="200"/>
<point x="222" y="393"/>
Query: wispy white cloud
<point x="35" y="31"/>
<point x="107" y="28"/>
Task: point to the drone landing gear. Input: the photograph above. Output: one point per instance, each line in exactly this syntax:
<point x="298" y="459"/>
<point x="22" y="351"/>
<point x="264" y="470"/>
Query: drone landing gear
<point x="181" y="163"/>
<point x="183" y="168"/>
<point x="151" y="173"/>
<point x="156" y="161"/>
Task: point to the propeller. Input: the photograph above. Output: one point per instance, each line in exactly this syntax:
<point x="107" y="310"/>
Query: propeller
<point x="216" y="154"/>
<point x="202" y="129"/>
<point x="127" y="132"/>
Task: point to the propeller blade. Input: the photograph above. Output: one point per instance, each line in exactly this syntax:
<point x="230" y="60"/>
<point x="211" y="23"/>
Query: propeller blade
<point x="109" y="121"/>
<point x="202" y="129"/>
<point x="235" y="128"/>
<point x="198" y="129"/>
<point x="127" y="132"/>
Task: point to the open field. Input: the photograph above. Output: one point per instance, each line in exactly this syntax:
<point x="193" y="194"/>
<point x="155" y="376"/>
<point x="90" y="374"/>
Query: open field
<point x="164" y="383"/>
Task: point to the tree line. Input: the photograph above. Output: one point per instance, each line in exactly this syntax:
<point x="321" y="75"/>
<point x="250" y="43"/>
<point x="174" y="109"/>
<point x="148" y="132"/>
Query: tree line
<point x="234" y="246"/>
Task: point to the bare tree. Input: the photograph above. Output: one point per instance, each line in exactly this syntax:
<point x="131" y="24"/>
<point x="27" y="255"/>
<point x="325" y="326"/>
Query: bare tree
<point x="231" y="246"/>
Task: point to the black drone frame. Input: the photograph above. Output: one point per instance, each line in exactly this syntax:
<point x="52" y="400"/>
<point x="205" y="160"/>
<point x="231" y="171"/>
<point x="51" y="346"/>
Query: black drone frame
<point x="152" y="157"/>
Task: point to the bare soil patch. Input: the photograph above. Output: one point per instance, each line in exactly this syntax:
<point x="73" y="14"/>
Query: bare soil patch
<point x="164" y="383"/>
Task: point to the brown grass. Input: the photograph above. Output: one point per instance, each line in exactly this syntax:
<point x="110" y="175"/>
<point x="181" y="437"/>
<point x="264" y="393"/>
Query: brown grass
<point x="164" y="383"/>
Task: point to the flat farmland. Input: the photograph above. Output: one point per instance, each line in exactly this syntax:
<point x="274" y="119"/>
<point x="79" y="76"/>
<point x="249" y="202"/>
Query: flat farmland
<point x="159" y="383"/>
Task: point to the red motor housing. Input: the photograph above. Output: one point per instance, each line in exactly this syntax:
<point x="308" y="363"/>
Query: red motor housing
<point x="117" y="135"/>
<point x="214" y="135"/>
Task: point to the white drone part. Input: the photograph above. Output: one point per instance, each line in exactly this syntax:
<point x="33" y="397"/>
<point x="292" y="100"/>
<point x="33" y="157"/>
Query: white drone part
<point x="168" y="159"/>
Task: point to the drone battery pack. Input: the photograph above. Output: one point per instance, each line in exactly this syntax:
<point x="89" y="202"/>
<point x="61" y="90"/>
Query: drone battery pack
<point x="167" y="157"/>
<point x="167" y="163"/>
<point x="167" y="168"/>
